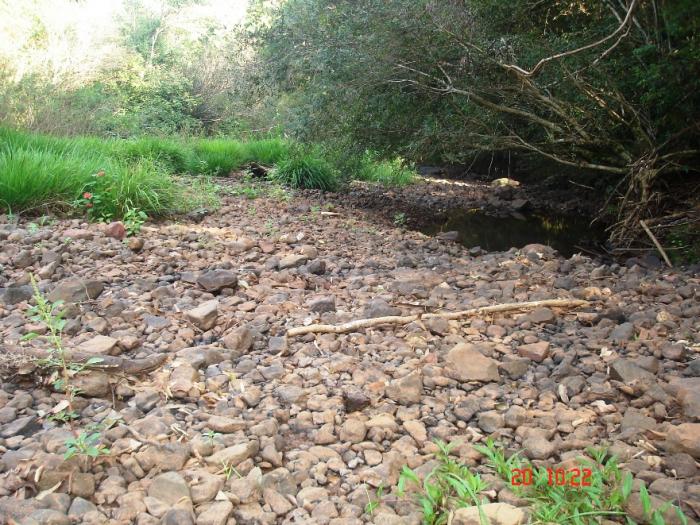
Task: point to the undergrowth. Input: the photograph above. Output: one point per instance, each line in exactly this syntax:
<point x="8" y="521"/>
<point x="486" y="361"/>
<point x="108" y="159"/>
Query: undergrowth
<point x="452" y="485"/>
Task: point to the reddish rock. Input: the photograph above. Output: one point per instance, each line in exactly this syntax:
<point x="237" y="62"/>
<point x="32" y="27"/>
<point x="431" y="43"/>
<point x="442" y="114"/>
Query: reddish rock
<point x="538" y="352"/>
<point x="115" y="230"/>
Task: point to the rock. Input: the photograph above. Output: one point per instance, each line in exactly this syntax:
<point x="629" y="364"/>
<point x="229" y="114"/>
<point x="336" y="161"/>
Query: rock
<point x="225" y="425"/>
<point x="466" y="409"/>
<point x="684" y="438"/>
<point x="495" y="513"/>
<point x="322" y="304"/>
<point x="135" y="244"/>
<point x="82" y="485"/>
<point x="504" y="181"/>
<point x="628" y="372"/>
<point x="537" y="446"/>
<point x="169" y="456"/>
<point x="80" y="507"/>
<point x="634" y="418"/>
<point x="76" y="290"/>
<point x="317" y="267"/>
<point x="538" y="351"/>
<point x="100" y="345"/>
<point x="406" y="391"/>
<point x="416" y="430"/>
<point x="232" y="456"/>
<point x="353" y="431"/>
<point x="515" y="369"/>
<point x="178" y="517"/>
<point x="292" y="261"/>
<point x="215" y="280"/>
<point x="49" y="517"/>
<point x="490" y="421"/>
<point x="169" y="487"/>
<point x="115" y="230"/>
<point x="355" y="400"/>
<point x="380" y="308"/>
<point x="541" y="315"/>
<point x="687" y="392"/>
<point x="309" y="497"/>
<point x="215" y="514"/>
<point x="277" y="502"/>
<point x="683" y="465"/>
<point x="182" y="381"/>
<point x="239" y="341"/>
<point x="622" y="333"/>
<point x="204" y="316"/>
<point x="23" y="426"/>
<point x="16" y="294"/>
<point x="466" y="363"/>
<point x="289" y="394"/>
<point x="77" y="234"/>
<point x="635" y="510"/>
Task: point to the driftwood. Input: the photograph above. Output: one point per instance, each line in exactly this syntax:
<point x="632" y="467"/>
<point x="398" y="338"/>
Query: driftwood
<point x="107" y="364"/>
<point x="360" y="324"/>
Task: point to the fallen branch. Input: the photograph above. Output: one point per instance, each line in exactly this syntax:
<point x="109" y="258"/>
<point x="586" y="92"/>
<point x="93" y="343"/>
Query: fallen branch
<point x="359" y="324"/>
<point x="656" y="243"/>
<point x="107" y="364"/>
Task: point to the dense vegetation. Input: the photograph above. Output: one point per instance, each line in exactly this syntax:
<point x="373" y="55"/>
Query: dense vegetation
<point x="610" y="89"/>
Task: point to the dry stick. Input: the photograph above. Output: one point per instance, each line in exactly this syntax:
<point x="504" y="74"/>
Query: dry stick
<point x="656" y="243"/>
<point x="398" y="319"/>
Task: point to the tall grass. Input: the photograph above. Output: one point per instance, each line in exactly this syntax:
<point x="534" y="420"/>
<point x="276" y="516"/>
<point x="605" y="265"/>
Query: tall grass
<point x="306" y="169"/>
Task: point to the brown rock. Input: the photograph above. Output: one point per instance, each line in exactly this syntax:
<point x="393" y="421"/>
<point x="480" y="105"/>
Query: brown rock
<point x="684" y="438"/>
<point x="76" y="290"/>
<point x="538" y="352"/>
<point x="466" y="363"/>
<point x="100" y="345"/>
<point x="204" y="316"/>
<point x="115" y="230"/>
<point x="408" y="390"/>
<point x="239" y="340"/>
<point x="495" y="513"/>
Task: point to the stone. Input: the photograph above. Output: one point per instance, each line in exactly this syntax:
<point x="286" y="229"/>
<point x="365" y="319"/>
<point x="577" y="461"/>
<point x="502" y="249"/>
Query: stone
<point x="353" y="431"/>
<point x="537" y="446"/>
<point x="537" y="352"/>
<point x="115" y="230"/>
<point x="48" y="517"/>
<point x="169" y="487"/>
<point x="406" y="391"/>
<point x="22" y="426"/>
<point x="687" y="393"/>
<point x="309" y="497"/>
<point x="684" y="438"/>
<point x="317" y="267"/>
<point x="233" y="456"/>
<point x="277" y="502"/>
<point x="466" y="363"/>
<point x="380" y="308"/>
<point x="622" y="333"/>
<point x="204" y="316"/>
<point x="682" y="464"/>
<point x="541" y="315"/>
<point x="215" y="514"/>
<point x="239" y="341"/>
<point x="416" y="430"/>
<point x="323" y="304"/>
<point x="16" y="294"/>
<point x="215" y="280"/>
<point x="76" y="290"/>
<point x="178" y="517"/>
<point x="634" y="418"/>
<point x="495" y="514"/>
<point x="80" y="507"/>
<point x="100" y="345"/>
<point x="355" y="400"/>
<point x="628" y="372"/>
<point x="490" y="421"/>
<point x="225" y="425"/>
<point x="135" y="244"/>
<point x="82" y="485"/>
<point x="292" y="261"/>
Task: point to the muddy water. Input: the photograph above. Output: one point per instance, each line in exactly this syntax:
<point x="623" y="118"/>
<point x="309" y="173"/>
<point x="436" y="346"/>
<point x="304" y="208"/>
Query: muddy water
<point x="492" y="233"/>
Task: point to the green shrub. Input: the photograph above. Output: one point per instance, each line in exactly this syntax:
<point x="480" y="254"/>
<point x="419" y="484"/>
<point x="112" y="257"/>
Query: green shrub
<point x="266" y="151"/>
<point x="306" y="170"/>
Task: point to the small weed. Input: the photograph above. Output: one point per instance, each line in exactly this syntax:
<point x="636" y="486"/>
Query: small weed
<point x="280" y="193"/>
<point x="134" y="221"/>
<point x="63" y="416"/>
<point x="211" y="435"/>
<point x="372" y="504"/>
<point x="229" y="471"/>
<point x="400" y="219"/>
<point x="449" y="486"/>
<point x="85" y="445"/>
<point x="32" y="227"/>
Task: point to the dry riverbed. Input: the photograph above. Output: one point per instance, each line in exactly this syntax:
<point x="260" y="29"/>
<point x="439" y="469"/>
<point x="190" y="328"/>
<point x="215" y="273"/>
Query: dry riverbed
<point x="241" y="425"/>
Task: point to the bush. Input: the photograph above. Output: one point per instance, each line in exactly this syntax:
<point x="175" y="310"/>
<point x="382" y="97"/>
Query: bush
<point x="307" y="170"/>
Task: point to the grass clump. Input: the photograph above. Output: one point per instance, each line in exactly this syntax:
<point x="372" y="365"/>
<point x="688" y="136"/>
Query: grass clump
<point x="305" y="169"/>
<point x="449" y="486"/>
<point x="386" y="172"/>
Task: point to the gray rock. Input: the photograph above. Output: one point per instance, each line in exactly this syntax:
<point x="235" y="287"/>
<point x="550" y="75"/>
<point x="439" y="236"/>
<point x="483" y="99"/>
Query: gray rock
<point x="292" y="261"/>
<point x="76" y="290"/>
<point x="322" y="304"/>
<point x="169" y="487"/>
<point x="204" y="316"/>
<point x="80" y="507"/>
<point x="215" y="280"/>
<point x="215" y="514"/>
<point x="380" y="308"/>
<point x="234" y="455"/>
<point x="23" y="426"/>
<point x="628" y="372"/>
<point x="49" y="517"/>
<point x="623" y="332"/>
<point x="15" y="294"/>
<point x="239" y="341"/>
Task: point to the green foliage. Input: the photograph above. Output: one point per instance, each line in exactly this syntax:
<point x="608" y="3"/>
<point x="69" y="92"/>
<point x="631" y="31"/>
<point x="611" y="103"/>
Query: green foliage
<point x="387" y="172"/>
<point x="85" y="444"/>
<point x="608" y="491"/>
<point x="133" y="221"/>
<point x="449" y="486"/>
<point x="400" y="219"/>
<point x="305" y="169"/>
